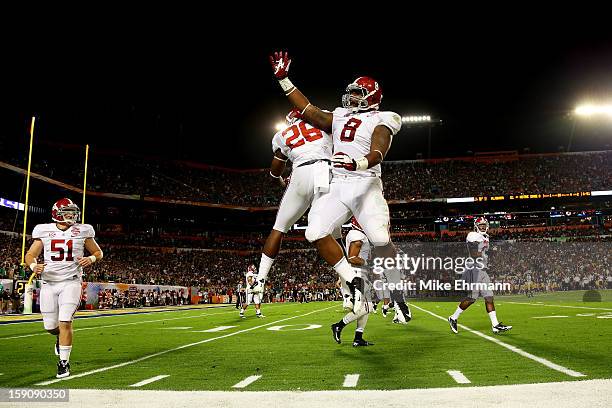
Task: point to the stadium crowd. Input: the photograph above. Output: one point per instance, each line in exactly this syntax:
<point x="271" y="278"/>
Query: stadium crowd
<point x="402" y="180"/>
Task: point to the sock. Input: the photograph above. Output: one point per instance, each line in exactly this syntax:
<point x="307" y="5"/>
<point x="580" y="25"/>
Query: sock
<point x="455" y="315"/>
<point x="361" y="323"/>
<point x="65" y="352"/>
<point x="264" y="266"/>
<point x="493" y="317"/>
<point x="345" y="270"/>
<point x="258" y="312"/>
<point x="386" y="307"/>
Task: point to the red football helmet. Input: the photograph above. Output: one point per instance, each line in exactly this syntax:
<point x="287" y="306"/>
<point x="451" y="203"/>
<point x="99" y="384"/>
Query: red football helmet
<point x="481" y="224"/>
<point x="65" y="211"/>
<point x="252" y="269"/>
<point x="355" y="224"/>
<point x="370" y="94"/>
<point x="293" y="116"/>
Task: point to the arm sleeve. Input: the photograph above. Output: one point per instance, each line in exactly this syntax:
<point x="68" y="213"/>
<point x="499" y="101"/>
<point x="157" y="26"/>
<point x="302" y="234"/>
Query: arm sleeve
<point x="37" y="232"/>
<point x="88" y="231"/>
<point x="391" y="120"/>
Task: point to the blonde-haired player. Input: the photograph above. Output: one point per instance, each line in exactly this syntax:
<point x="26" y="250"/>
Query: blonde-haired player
<point x="63" y="243"/>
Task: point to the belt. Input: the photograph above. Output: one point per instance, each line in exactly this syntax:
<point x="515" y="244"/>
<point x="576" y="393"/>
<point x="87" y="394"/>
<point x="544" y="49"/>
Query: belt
<point x="309" y="162"/>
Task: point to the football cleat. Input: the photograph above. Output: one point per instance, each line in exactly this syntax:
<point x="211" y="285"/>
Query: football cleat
<point x="453" y="325"/>
<point x="259" y="315"/>
<point x="375" y="309"/>
<point x="356" y="287"/>
<point x="242" y="313"/>
<point x="501" y="328"/>
<point x="63" y="369"/>
<point x="259" y="286"/>
<point x="336" y="332"/>
<point x="384" y="311"/>
<point x="56" y="348"/>
<point x="402" y="313"/>
<point x="361" y="343"/>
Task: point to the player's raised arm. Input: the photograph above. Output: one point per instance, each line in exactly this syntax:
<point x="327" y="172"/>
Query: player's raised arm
<point x="32" y="256"/>
<point x="94" y="249"/>
<point x="280" y="65"/>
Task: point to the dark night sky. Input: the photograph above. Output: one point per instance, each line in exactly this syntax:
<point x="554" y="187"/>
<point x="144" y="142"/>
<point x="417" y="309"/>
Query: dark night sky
<point x="209" y="95"/>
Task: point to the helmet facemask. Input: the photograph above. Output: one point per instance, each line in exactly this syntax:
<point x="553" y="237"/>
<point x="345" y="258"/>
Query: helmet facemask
<point x="69" y="215"/>
<point x="355" y="102"/>
<point x="481" y="226"/>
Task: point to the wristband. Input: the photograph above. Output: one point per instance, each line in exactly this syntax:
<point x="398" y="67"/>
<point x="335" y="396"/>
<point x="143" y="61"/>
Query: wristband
<point x="362" y="164"/>
<point x="33" y="265"/>
<point x="286" y="84"/>
<point x="276" y="177"/>
<point x="92" y="258"/>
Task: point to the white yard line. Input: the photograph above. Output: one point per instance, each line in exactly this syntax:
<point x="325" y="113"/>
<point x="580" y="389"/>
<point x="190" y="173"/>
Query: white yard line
<point x="512" y="348"/>
<point x="247" y="381"/>
<point x="99" y="370"/>
<point x="458" y="377"/>
<point x="565" y="306"/>
<point x="149" y="381"/>
<point x="214" y="330"/>
<point x="350" y="380"/>
<point x="569" y="394"/>
<point x="548" y="317"/>
<point x="106" y="326"/>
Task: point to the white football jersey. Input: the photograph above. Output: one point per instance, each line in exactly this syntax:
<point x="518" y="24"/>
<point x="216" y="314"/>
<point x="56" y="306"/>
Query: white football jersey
<point x="249" y="275"/>
<point x="301" y="142"/>
<point x="62" y="249"/>
<point x="356" y="235"/>
<point x="352" y="134"/>
<point x="483" y="243"/>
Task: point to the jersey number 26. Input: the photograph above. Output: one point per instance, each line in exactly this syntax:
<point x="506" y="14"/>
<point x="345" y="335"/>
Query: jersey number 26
<point x="301" y="134"/>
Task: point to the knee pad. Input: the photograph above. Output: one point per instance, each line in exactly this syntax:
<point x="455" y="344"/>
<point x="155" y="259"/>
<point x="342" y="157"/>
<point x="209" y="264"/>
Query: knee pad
<point x="50" y="321"/>
<point x="66" y="312"/>
<point x="380" y="238"/>
<point x="313" y="234"/>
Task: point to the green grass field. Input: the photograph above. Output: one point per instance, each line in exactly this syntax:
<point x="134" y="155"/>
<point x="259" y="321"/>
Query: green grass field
<point x="115" y="352"/>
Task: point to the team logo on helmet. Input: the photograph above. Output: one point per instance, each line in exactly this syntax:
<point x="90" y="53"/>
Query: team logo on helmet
<point x="65" y="211"/>
<point x="363" y="94"/>
<point x="481" y="224"/>
<point x="355" y="224"/>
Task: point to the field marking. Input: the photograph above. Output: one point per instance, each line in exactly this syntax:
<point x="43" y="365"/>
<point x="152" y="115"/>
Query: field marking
<point x="350" y="380"/>
<point x="567" y="394"/>
<point x="177" y="328"/>
<point x="149" y="381"/>
<point x="247" y="381"/>
<point x="566" y="306"/>
<point x="282" y="328"/>
<point x="120" y="324"/>
<point x="99" y="370"/>
<point x="458" y="377"/>
<point x="547" y="317"/>
<point x="512" y="348"/>
<point x="214" y="330"/>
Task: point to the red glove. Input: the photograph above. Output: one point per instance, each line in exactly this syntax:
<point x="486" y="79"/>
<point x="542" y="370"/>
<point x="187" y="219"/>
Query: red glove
<point x="280" y="64"/>
<point x="343" y="160"/>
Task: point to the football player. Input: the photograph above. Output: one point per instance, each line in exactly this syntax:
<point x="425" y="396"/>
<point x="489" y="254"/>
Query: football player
<point x="362" y="135"/>
<point x="478" y="244"/>
<point x="251" y="297"/>
<point x="358" y="251"/>
<point x="63" y="243"/>
<point x="309" y="149"/>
